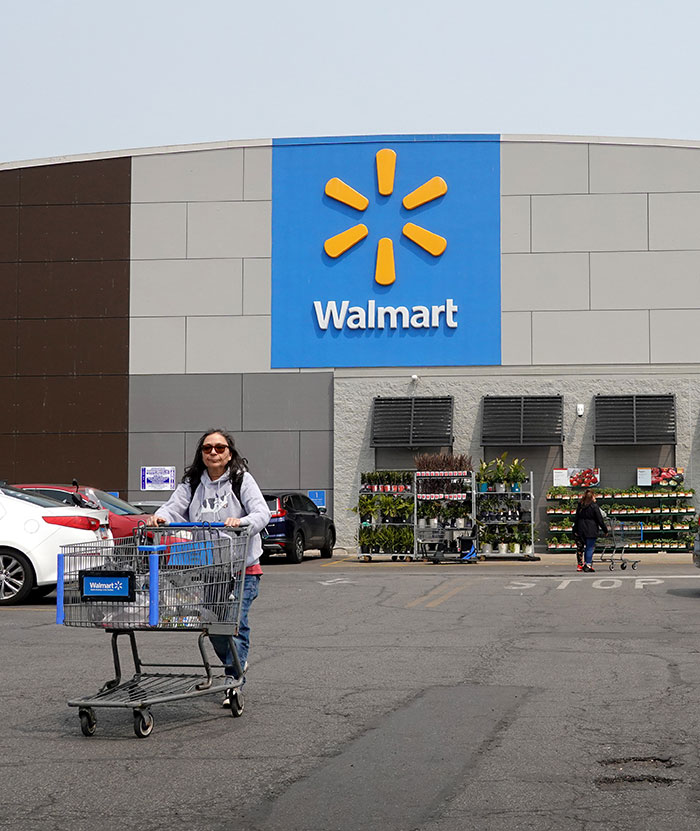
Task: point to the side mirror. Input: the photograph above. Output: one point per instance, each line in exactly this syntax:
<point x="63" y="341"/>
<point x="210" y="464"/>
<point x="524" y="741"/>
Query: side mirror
<point x="322" y="509"/>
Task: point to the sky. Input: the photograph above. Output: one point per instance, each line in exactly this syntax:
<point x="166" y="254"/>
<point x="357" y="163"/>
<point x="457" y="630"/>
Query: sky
<point x="85" y="76"/>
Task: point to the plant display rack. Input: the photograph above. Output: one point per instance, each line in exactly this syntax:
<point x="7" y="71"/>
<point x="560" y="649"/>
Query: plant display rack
<point x="445" y="528"/>
<point x="505" y="520"/>
<point x="386" y="510"/>
<point x="648" y="519"/>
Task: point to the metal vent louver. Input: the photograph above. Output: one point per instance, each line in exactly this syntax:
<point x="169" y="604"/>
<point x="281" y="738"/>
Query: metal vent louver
<point x="522" y="420"/>
<point x="412" y="422"/>
<point x="635" y="419"/>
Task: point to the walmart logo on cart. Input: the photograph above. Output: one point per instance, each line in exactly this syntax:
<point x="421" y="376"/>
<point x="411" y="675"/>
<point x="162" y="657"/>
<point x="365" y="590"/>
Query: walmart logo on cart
<point x="371" y="315"/>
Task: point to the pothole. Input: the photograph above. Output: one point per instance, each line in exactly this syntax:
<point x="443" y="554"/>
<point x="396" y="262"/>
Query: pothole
<point x="637" y="770"/>
<point x="641" y="762"/>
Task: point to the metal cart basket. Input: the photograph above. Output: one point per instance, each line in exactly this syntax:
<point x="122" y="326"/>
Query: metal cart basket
<point x="176" y="578"/>
<point x="611" y="549"/>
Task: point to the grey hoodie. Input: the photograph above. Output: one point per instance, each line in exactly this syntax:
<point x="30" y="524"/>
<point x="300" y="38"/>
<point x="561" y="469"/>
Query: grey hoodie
<point x="215" y="501"/>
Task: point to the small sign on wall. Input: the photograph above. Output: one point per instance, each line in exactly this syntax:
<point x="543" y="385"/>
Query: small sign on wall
<point x="318" y="498"/>
<point x="155" y="478"/>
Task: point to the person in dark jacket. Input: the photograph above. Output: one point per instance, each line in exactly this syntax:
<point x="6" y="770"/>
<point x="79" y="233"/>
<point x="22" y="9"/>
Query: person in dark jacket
<point x="588" y="524"/>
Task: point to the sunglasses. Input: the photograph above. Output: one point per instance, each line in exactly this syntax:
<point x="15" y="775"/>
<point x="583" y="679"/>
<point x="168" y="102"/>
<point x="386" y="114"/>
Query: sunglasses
<point x="214" y="448"/>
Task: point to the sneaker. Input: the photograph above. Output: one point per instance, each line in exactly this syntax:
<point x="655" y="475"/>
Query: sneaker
<point x="230" y="680"/>
<point x="579" y="567"/>
<point x="589" y="569"/>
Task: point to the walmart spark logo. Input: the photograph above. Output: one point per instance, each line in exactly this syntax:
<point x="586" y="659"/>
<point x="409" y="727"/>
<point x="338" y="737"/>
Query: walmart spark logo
<point x="385" y="271"/>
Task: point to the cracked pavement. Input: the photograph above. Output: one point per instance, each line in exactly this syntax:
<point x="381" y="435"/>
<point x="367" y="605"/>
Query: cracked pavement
<point x="382" y="696"/>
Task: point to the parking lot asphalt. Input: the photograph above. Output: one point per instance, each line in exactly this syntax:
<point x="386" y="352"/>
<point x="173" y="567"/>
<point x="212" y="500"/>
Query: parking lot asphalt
<point x="500" y="695"/>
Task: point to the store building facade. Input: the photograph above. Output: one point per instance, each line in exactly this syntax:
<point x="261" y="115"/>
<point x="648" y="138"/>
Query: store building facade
<point x="278" y="288"/>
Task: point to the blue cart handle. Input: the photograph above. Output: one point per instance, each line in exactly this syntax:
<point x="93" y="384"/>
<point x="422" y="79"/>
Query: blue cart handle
<point x="189" y="525"/>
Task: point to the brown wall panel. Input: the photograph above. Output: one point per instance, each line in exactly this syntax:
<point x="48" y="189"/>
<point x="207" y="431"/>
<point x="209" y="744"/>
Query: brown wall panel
<point x="103" y="181"/>
<point x="8" y="290"/>
<point x="9" y="187"/>
<point x="84" y="404"/>
<point x="64" y="322"/>
<point x="8" y="348"/>
<point x="78" y="289"/>
<point x="9" y="234"/>
<point x="7" y="458"/>
<point x="8" y="406"/>
<point x="80" y="346"/>
<point x="74" y="232"/>
<point x="93" y="459"/>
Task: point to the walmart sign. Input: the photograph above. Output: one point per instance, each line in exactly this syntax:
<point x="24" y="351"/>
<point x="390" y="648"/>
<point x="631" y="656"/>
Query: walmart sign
<point x="386" y="251"/>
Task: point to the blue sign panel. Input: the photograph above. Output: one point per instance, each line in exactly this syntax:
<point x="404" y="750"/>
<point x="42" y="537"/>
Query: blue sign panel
<point x="318" y="498"/>
<point x="386" y="251"/>
<point x="107" y="585"/>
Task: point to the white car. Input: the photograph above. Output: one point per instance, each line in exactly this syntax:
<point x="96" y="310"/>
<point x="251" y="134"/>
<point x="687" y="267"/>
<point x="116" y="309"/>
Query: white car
<point x="32" y="530"/>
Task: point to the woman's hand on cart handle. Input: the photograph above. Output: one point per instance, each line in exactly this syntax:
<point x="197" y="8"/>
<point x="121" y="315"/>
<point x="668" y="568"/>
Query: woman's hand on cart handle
<point x="232" y="522"/>
<point x="152" y="519"/>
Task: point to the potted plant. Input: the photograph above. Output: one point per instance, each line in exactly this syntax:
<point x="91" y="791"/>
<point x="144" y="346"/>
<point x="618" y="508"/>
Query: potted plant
<point x="516" y="475"/>
<point x="387" y="507"/>
<point x="482" y="476"/>
<point x="422" y="512"/>
<point x="365" y="507"/>
<point x="498" y="470"/>
<point x="403" y="510"/>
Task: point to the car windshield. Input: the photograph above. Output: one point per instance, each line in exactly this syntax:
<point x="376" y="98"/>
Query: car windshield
<point x="35" y="499"/>
<point x="114" y="503"/>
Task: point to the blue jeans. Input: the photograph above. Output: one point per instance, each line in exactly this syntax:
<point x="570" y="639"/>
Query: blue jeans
<point x="590" y="545"/>
<point x="251" y="586"/>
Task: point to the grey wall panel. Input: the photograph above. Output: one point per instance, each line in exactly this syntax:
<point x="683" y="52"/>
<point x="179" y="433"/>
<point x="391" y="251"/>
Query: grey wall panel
<point x="288" y="402"/>
<point x="229" y="229"/>
<point x="157" y="448"/>
<point x="172" y="288"/>
<point x="516" y="338"/>
<point x="316" y="459"/>
<point x="202" y="175"/>
<point x="619" y="464"/>
<point x="674" y="336"/>
<point x="257" y="173"/>
<point x="515" y="224"/>
<point x="643" y="169"/>
<point x="184" y="402"/>
<point x="645" y="280"/>
<point x="158" y="231"/>
<point x="156" y="345"/>
<point x="544" y="282"/>
<point x="570" y="338"/>
<point x="616" y="222"/>
<point x="257" y="286"/>
<point x="543" y="167"/>
<point x="273" y="457"/>
<point x="674" y="221"/>
<point x="228" y="344"/>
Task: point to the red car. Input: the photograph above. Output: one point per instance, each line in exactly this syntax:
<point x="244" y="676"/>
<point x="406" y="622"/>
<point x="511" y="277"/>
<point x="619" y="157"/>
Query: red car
<point x="123" y="517"/>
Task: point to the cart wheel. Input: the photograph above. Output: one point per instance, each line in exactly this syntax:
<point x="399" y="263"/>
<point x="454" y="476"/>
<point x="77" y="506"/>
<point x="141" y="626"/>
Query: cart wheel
<point x="401" y="557"/>
<point x="409" y="558"/>
<point x="366" y="559"/>
<point x="394" y="557"/>
<point x="623" y="565"/>
<point x="88" y="722"/>
<point x="237" y="703"/>
<point x="143" y="723"/>
<point x="634" y="566"/>
<point x="611" y="567"/>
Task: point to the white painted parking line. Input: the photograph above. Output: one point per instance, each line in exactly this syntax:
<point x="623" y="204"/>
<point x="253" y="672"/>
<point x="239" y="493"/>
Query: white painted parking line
<point x="599" y="582"/>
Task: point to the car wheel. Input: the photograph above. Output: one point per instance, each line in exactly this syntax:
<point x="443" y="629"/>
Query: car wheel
<point x="295" y="552"/>
<point x="327" y="548"/>
<point x="16" y="577"/>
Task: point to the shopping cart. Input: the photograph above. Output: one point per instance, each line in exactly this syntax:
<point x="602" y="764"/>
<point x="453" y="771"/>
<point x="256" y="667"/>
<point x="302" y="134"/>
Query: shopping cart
<point x="611" y="549"/>
<point x="170" y="578"/>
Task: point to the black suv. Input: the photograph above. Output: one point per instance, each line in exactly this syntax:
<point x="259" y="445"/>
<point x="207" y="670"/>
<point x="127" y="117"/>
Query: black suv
<point x="296" y="525"/>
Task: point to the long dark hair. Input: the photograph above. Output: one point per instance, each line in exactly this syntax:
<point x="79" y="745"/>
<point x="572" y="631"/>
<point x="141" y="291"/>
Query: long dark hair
<point x="587" y="498"/>
<point x="236" y="467"/>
